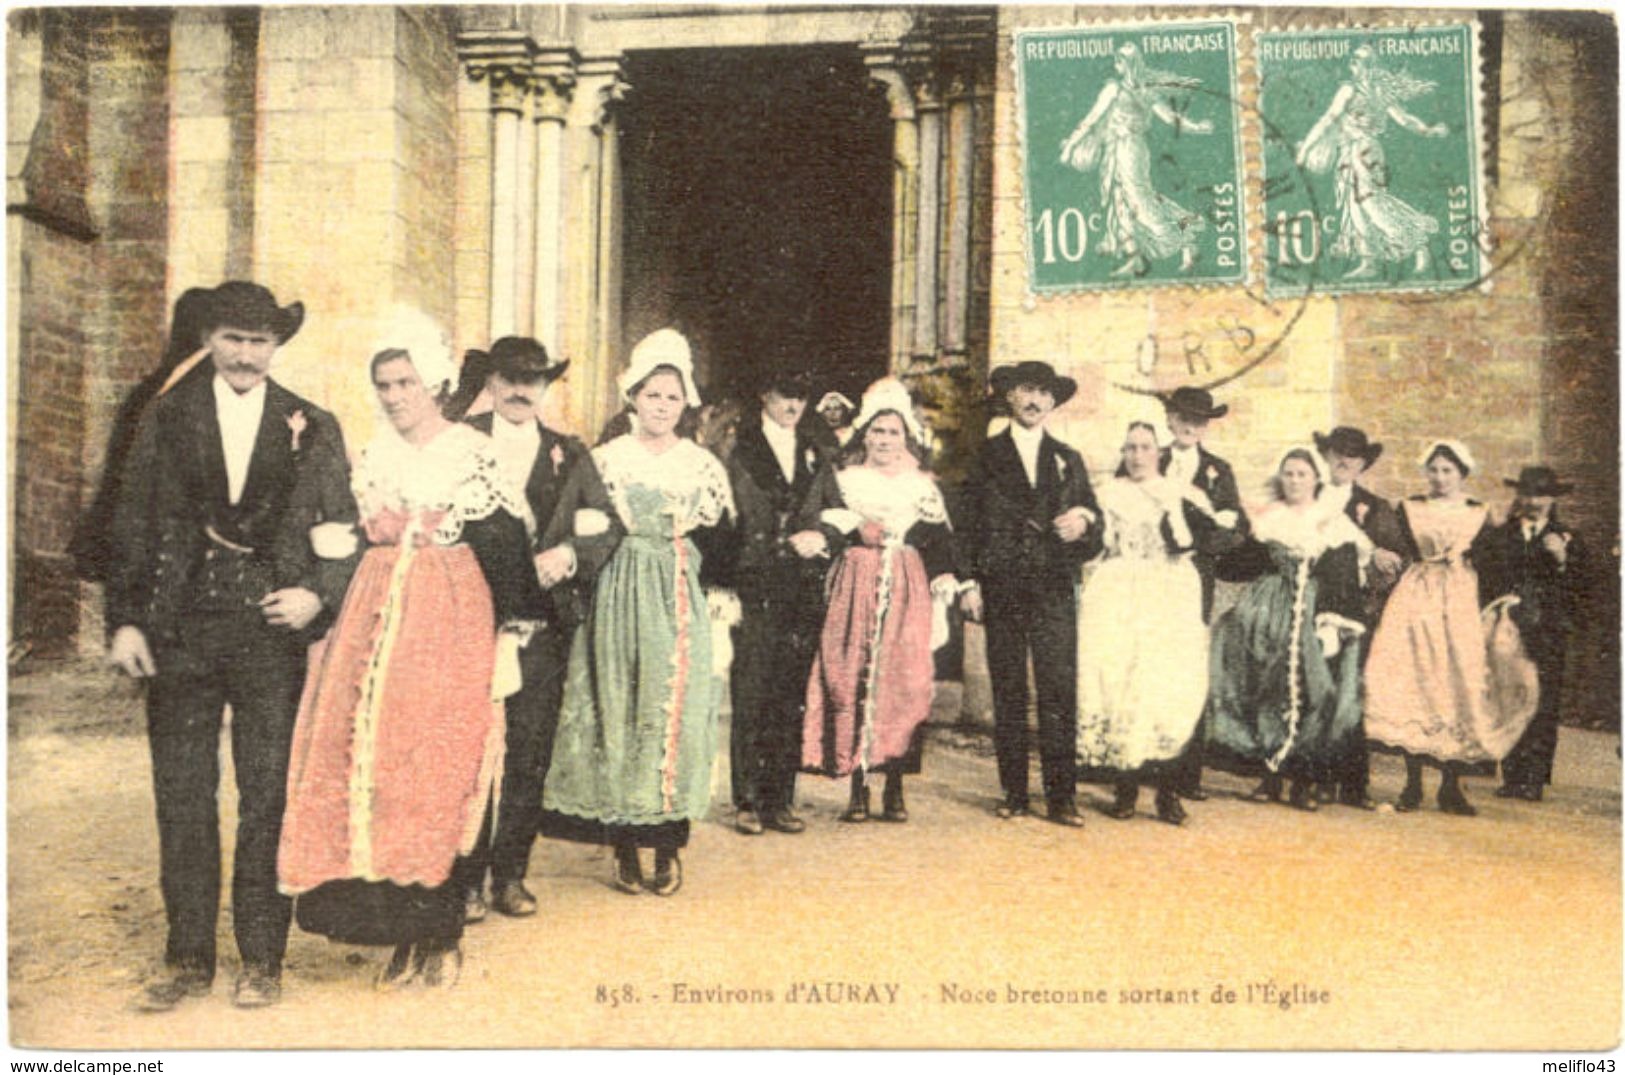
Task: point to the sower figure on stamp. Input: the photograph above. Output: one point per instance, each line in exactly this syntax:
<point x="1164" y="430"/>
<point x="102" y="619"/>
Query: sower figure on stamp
<point x="780" y="582"/>
<point x="1536" y="558"/>
<point x="1221" y="530"/>
<point x="1348" y="454"/>
<point x="1033" y="523"/>
<point x="541" y="462"/>
<point x="215" y="595"/>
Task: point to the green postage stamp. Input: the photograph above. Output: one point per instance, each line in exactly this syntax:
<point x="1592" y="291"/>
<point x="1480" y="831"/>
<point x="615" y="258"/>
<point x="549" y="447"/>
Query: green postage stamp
<point x="1132" y="155"/>
<point x="1371" y="159"/>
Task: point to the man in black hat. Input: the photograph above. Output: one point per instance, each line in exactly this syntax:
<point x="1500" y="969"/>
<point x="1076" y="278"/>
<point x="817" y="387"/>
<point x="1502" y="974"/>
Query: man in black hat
<point x="1348" y="454"/>
<point x="779" y="577"/>
<point x="540" y="461"/>
<point x="1535" y="557"/>
<point x="214" y="597"/>
<point x="1033" y="522"/>
<point x="1217" y="531"/>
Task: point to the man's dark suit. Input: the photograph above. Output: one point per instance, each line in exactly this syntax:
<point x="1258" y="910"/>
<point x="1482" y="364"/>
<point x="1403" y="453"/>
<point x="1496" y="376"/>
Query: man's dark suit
<point x="1215" y="478"/>
<point x="190" y="573"/>
<point x="1028" y="577"/>
<point x="1507" y="564"/>
<point x="533" y="712"/>
<point x="781" y="599"/>
<point x="1380" y="522"/>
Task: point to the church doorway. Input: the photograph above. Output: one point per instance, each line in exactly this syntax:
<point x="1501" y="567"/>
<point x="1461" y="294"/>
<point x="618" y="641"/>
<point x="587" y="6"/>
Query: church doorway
<point x="757" y="191"/>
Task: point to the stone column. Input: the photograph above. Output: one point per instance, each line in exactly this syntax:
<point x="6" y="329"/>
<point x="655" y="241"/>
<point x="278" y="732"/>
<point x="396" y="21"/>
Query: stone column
<point x="961" y="192"/>
<point x="507" y="74"/>
<point x="883" y="63"/>
<point x="523" y="283"/>
<point x="554" y="83"/>
<point x="928" y="215"/>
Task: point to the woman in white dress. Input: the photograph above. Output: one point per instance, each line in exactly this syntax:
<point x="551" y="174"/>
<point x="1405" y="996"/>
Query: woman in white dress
<point x="1142" y="646"/>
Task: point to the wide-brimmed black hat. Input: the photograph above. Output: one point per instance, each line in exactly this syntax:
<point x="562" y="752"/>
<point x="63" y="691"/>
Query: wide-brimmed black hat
<point x="1196" y="403"/>
<point x="1539" y="481"/>
<point x="1350" y="442"/>
<point x="519" y="359"/>
<point x="245" y="305"/>
<point x="787" y="381"/>
<point x="1033" y="374"/>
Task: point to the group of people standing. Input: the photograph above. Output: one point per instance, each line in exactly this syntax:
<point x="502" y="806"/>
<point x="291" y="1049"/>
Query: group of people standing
<point x="477" y="630"/>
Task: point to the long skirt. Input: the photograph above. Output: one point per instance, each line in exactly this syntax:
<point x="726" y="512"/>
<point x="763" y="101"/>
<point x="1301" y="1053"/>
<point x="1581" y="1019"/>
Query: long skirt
<point x="636" y="743"/>
<point x="870" y="686"/>
<point x="398" y="743"/>
<point x="1444" y="680"/>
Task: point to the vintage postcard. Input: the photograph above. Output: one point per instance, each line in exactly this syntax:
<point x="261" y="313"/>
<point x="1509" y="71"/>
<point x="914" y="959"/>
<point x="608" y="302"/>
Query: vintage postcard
<point x="1133" y="163"/>
<point x="1347" y="208"/>
<point x="685" y="526"/>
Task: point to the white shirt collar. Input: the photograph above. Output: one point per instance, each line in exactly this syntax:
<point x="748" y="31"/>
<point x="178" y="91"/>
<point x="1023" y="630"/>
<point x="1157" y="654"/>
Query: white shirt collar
<point x="228" y="398"/>
<point x="239" y="415"/>
<point x="502" y="429"/>
<point x="1026" y="438"/>
<point x="783" y="443"/>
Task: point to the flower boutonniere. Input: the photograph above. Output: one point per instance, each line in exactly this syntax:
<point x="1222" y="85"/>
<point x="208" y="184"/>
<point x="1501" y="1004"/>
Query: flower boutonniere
<point x="1212" y="474"/>
<point x="812" y="458"/>
<point x="1060" y="467"/>
<point x="557" y="456"/>
<point x="298" y="424"/>
<point x="1360" y="512"/>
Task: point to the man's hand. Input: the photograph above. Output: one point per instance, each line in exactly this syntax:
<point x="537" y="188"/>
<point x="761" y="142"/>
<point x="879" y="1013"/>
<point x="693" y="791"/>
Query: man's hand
<point x="970" y="603"/>
<point x="129" y="651"/>
<point x="1072" y="524"/>
<point x="555" y="565"/>
<point x="809" y="543"/>
<point x="1386" y="562"/>
<point x="292" y="608"/>
<point x="1557" y="545"/>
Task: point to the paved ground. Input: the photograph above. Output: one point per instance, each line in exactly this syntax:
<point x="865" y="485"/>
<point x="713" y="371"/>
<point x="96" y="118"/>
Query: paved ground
<point x="1380" y="930"/>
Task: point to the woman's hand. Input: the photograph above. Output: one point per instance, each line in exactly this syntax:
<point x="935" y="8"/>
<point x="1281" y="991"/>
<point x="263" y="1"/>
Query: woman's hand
<point x="809" y="544"/>
<point x="872" y="534"/>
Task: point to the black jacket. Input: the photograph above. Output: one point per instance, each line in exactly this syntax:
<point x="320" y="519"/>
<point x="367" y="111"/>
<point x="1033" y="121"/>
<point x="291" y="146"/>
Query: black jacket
<point x="1010" y="538"/>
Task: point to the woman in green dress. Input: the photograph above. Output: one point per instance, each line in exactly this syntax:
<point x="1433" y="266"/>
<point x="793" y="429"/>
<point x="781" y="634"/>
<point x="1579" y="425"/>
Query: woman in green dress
<point x="637" y="734"/>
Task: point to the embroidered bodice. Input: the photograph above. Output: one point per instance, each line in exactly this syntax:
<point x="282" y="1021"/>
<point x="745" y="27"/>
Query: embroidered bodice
<point x="430" y="490"/>
<point x="1292" y="534"/>
<point x="1132" y="514"/>
<point x="896" y="501"/>
<point x="685" y="486"/>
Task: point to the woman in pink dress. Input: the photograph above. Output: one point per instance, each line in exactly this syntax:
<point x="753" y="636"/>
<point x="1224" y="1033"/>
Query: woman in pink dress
<point x="1446" y="683"/>
<point x="399" y="736"/>
<point x="884" y="522"/>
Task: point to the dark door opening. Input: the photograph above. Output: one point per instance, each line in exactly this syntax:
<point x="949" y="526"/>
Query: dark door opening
<point x="758" y="213"/>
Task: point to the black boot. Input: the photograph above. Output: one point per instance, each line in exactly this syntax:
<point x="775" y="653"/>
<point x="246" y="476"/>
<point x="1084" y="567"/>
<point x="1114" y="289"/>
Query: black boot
<point x="1126" y="794"/>
<point x="857" y="808"/>
<point x="891" y="799"/>
<point x="1410" y="798"/>
<point x="628" y="873"/>
<point x="1451" y="800"/>
<point x="1168" y="807"/>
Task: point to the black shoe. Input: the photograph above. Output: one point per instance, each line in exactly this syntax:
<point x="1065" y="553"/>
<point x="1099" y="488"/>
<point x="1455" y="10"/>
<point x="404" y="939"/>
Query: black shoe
<point x="1409" y="799"/>
<point x="398" y="972"/>
<point x="782" y="820"/>
<point x="1357" y="799"/>
<point x="1325" y="794"/>
<point x="1302" y="796"/>
<point x="628" y="873"/>
<point x="1123" y="802"/>
<point x="892" y="803"/>
<point x="171" y="986"/>
<point x="858" y="808"/>
<point x="1065" y="813"/>
<point x="1509" y="791"/>
<point x="1452" y="801"/>
<point x="256" y="987"/>
<point x="1169" y="810"/>
<point x="474" y="908"/>
<point x="1267" y="791"/>
<point x="1194" y="793"/>
<point x="748" y="822"/>
<point x="668" y="876"/>
<point x="513" y="899"/>
<point x="439" y="966"/>
<point x="1531" y="793"/>
<point x="1011" y="808"/>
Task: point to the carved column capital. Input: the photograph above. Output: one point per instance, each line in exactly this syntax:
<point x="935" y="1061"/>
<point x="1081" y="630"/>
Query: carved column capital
<point x="502" y="60"/>
<point x="883" y="59"/>
<point x="553" y="82"/>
